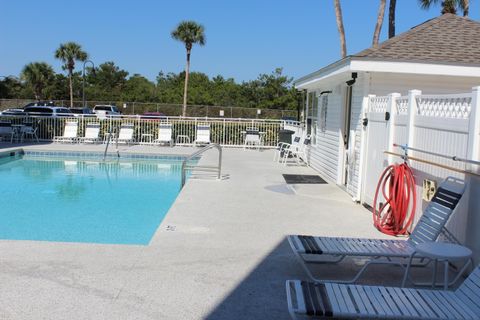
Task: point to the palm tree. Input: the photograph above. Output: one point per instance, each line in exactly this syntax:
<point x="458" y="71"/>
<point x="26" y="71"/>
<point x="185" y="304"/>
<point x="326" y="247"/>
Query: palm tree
<point x="188" y="32"/>
<point x="448" y="6"/>
<point x="378" y="26"/>
<point x="391" y="18"/>
<point x="69" y="53"/>
<point x="341" y="30"/>
<point x="37" y="75"/>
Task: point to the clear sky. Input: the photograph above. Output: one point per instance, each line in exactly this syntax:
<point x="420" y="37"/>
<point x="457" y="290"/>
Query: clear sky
<point x="244" y="37"/>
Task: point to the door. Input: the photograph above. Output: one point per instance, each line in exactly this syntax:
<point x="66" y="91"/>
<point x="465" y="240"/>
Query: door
<point x="375" y="158"/>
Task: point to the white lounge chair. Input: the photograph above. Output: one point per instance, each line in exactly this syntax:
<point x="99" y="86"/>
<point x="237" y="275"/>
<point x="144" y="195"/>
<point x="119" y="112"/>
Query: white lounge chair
<point x="92" y="133"/>
<point x="348" y="301"/>
<point x="253" y="137"/>
<point x="203" y="135"/>
<point x="297" y="151"/>
<point x="165" y="134"/>
<point x="431" y="225"/>
<point x="6" y="130"/>
<point x="126" y="133"/>
<point x="69" y="133"/>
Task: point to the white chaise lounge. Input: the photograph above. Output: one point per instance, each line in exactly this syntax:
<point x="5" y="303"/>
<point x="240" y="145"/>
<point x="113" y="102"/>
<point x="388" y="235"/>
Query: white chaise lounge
<point x="203" y="135"/>
<point x="310" y="249"/>
<point x="165" y="134"/>
<point x="349" y="301"/>
<point x="126" y="133"/>
<point x="69" y="132"/>
<point x="92" y="133"/>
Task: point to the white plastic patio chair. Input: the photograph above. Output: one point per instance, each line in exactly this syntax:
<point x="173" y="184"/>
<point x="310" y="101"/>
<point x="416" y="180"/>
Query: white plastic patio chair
<point x="92" y="133"/>
<point x="253" y="137"/>
<point x="126" y="133"/>
<point x="203" y="135"/>
<point x="28" y="130"/>
<point x="348" y="301"/>
<point x="165" y="134"/>
<point x="6" y="130"/>
<point x="310" y="249"/>
<point x="69" y="133"/>
<point x="297" y="151"/>
<point x="282" y="146"/>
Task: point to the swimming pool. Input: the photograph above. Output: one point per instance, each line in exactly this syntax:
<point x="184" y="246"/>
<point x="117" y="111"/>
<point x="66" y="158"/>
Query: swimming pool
<point x="73" y="197"/>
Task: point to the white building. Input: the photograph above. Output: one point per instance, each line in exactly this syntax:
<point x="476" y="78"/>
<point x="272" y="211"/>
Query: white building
<point x="441" y="55"/>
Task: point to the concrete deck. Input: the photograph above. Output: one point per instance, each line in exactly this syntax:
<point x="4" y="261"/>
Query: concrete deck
<point x="220" y="253"/>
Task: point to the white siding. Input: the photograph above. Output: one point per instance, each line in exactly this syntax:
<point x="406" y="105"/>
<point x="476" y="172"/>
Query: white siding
<point x="324" y="154"/>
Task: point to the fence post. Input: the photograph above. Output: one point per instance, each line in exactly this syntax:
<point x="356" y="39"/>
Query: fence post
<point x="473" y="153"/>
<point x="412" y="113"/>
<point x="474" y="128"/>
<point x="392" y="110"/>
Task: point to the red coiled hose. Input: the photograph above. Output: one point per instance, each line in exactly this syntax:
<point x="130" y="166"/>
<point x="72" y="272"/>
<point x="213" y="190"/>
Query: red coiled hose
<point x="393" y="216"/>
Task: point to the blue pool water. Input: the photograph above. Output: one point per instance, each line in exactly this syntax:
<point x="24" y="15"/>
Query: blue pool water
<point x="70" y="199"/>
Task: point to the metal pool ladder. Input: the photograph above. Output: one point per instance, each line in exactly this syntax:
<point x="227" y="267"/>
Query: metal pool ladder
<point x="110" y="133"/>
<point x="217" y="168"/>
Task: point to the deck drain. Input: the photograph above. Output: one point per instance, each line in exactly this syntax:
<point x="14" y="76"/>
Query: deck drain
<point x="303" y="179"/>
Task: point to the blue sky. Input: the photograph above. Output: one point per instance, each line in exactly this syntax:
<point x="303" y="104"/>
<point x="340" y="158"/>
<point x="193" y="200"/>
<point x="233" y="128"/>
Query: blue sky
<point x="244" y="37"/>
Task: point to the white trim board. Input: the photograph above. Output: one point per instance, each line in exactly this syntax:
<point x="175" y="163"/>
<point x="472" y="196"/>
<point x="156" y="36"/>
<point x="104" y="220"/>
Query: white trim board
<point x="351" y="65"/>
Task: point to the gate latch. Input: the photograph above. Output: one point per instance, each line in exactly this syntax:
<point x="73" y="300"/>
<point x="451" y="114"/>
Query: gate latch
<point x="387" y="116"/>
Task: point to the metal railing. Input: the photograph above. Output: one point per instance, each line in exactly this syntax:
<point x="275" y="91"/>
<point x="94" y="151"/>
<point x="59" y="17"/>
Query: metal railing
<point x="217" y="168"/>
<point x="223" y="131"/>
<point x="109" y="138"/>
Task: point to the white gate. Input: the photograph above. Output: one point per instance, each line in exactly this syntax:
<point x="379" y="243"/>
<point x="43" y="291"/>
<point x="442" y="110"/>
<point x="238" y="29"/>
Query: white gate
<point x="377" y="142"/>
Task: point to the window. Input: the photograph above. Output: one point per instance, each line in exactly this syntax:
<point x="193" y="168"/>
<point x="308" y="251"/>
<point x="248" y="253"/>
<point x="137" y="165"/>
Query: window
<point x="103" y="108"/>
<point x="38" y="110"/>
<point x="323" y="113"/>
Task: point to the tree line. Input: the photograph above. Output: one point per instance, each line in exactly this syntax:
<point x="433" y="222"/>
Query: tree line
<point x="109" y="82"/>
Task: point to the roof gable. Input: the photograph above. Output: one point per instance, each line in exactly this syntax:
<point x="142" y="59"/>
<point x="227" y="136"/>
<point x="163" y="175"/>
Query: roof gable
<point x="447" y="39"/>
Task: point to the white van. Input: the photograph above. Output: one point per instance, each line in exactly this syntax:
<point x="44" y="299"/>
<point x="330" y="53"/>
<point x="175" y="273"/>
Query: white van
<point x="106" y="109"/>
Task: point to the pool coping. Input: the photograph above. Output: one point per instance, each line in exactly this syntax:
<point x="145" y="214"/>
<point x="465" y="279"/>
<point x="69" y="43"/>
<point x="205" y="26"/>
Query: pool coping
<point x="95" y="154"/>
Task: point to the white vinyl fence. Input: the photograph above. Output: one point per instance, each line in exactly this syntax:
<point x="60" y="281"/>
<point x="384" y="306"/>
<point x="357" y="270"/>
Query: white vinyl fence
<point x="444" y="124"/>
<point x="226" y="132"/>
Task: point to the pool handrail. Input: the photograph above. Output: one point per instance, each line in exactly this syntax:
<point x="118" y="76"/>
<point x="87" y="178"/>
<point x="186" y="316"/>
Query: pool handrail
<point x="217" y="168"/>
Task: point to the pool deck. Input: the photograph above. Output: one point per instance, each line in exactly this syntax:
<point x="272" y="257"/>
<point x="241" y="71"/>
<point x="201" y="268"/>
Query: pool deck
<point x="220" y="253"/>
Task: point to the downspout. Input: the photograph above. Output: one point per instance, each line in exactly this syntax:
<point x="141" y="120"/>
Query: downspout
<point x="347" y="124"/>
<point x="348" y="113"/>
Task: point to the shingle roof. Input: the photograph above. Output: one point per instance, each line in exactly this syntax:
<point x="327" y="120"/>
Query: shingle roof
<point x="447" y="39"/>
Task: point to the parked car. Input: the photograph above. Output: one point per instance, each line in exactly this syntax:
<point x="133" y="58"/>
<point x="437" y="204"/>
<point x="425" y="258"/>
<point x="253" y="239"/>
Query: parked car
<point x="153" y="115"/>
<point x="46" y="111"/>
<point x="13" y="112"/>
<point x="82" y="111"/>
<point x="40" y="104"/>
<point x="106" y="109"/>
